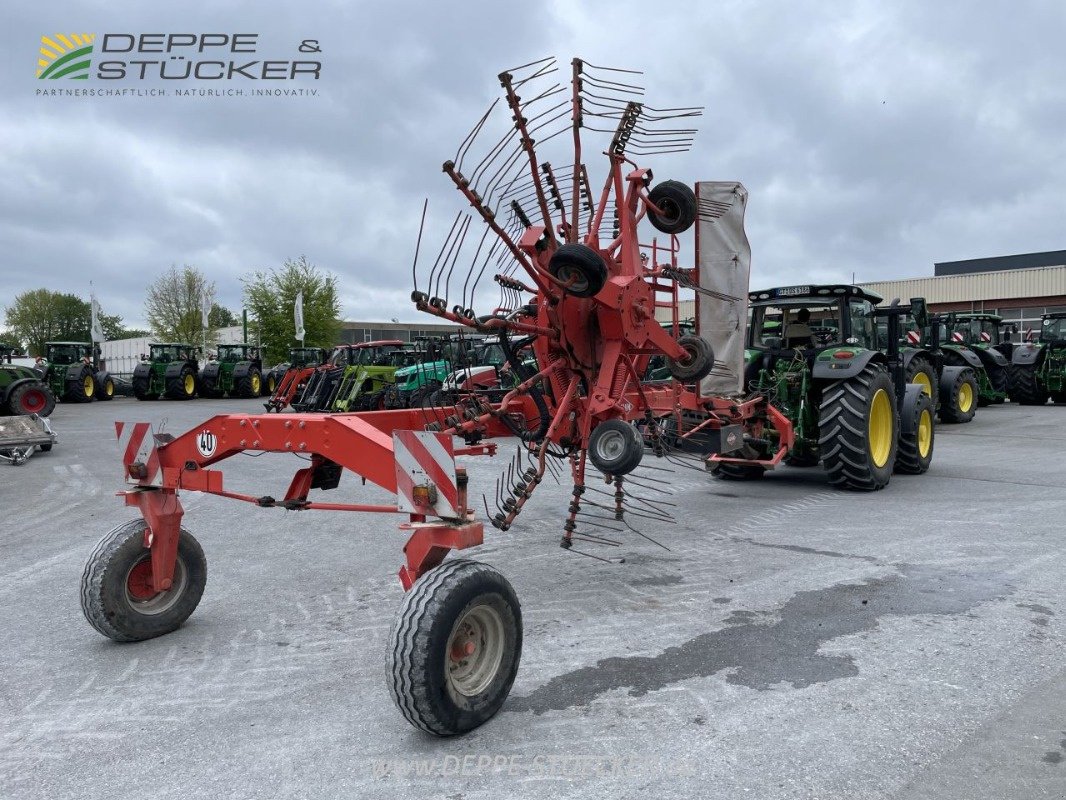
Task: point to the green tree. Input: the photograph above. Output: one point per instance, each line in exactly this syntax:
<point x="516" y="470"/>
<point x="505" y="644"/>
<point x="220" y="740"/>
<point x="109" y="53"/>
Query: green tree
<point x="222" y="317"/>
<point x="270" y="295"/>
<point x="172" y="305"/>
<point x="41" y="315"/>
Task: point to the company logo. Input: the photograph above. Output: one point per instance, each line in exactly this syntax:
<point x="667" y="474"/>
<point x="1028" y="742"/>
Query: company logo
<point x="65" y="55"/>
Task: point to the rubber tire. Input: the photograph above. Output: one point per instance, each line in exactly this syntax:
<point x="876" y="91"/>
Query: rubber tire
<point x="105" y="390"/>
<point x="949" y="411"/>
<point x="580" y="261"/>
<point x="909" y="459"/>
<point x="726" y="471"/>
<point x="678" y="202"/>
<point x="423" y="393"/>
<point x="419" y="639"/>
<point x="921" y="364"/>
<point x="268" y="385"/>
<point x="700" y="361"/>
<point x="176" y="386"/>
<point x="803" y="461"/>
<point x="390" y="398"/>
<point x="245" y="387"/>
<point x="140" y="390"/>
<point x="1000" y="381"/>
<point x="632" y="447"/>
<point x="1025" y="387"/>
<point x="843" y="427"/>
<point x="103" y="590"/>
<point x="14" y="402"/>
<point x="76" y="389"/>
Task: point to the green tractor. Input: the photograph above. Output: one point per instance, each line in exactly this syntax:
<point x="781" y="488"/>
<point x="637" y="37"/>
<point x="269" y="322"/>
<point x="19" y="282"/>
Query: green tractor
<point x="416" y="384"/>
<point x="373" y="369"/>
<point x="236" y="371"/>
<point x="1038" y="369"/>
<point x="21" y="389"/>
<point x="813" y="352"/>
<point x="74" y="374"/>
<point x="954" y="389"/>
<point x="968" y="342"/>
<point x="167" y="370"/>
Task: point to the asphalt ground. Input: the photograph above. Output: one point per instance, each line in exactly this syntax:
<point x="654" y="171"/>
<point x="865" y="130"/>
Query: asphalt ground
<point x="792" y="642"/>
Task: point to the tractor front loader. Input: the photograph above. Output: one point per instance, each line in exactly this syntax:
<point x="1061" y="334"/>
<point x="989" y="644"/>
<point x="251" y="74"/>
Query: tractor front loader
<point x="291" y="377"/>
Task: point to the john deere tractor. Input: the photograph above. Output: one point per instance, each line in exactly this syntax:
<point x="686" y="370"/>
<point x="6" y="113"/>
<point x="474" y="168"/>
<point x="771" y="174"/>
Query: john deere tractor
<point x="955" y="389"/>
<point x="167" y="370"/>
<point x="74" y="374"/>
<point x="813" y="353"/>
<point x="965" y="345"/>
<point x="237" y="371"/>
<point x="375" y="365"/>
<point x="1038" y="369"/>
<point x="21" y="389"/>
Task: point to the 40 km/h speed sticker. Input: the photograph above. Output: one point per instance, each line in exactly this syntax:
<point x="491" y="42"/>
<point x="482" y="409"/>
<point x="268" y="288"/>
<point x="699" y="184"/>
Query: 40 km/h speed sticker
<point x="206" y="443"/>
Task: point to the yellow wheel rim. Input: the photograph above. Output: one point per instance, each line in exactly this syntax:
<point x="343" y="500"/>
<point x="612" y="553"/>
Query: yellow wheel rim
<point x="965" y="397"/>
<point x="190" y="384"/>
<point x="880" y="428"/>
<point x="922" y="379"/>
<point x="255" y="384"/>
<point x="87" y="385"/>
<point x="109" y="388"/>
<point x="925" y="433"/>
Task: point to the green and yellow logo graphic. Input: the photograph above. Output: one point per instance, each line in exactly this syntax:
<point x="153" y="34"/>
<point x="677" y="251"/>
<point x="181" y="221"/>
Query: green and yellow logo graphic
<point x="65" y="56"/>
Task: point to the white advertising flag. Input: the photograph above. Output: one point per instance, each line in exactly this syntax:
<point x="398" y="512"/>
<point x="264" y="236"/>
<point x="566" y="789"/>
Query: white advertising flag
<point x="205" y="309"/>
<point x="298" y="313"/>
<point x="97" y="329"/>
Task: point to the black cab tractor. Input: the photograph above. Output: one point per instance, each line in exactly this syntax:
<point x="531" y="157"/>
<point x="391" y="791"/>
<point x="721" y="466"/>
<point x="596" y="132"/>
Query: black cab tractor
<point x="22" y="389"/>
<point x="74" y="372"/>
<point x="235" y="371"/>
<point x="813" y="352"/>
<point x="1038" y="369"/>
<point x="169" y="370"/>
<point x="967" y="342"/>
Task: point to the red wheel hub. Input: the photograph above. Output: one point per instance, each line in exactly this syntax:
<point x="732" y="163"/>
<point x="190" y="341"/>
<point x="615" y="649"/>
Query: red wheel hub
<point x="139" y="582"/>
<point x="34" y="401"/>
<point x="462" y="648"/>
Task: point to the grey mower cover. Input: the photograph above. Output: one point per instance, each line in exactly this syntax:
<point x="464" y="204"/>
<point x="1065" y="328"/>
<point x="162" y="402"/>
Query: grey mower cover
<point x="724" y="262"/>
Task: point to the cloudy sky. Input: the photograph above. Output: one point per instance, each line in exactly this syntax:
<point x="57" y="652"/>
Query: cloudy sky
<point x="874" y="138"/>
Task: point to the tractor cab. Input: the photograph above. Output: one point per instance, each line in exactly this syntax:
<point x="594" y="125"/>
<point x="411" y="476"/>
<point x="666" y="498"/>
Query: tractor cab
<point x="377" y="353"/>
<point x="1053" y="328"/>
<point x="169" y="353"/>
<point x="236" y="353"/>
<point x="66" y="353"/>
<point x="74" y="373"/>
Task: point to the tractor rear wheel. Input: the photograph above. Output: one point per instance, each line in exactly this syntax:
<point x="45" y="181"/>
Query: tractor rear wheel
<point x="116" y="586"/>
<point x="270" y="384"/>
<point x="959" y="403"/>
<point x="677" y="206"/>
<point x="997" y="376"/>
<point x="82" y="388"/>
<point x="182" y="387"/>
<point x="616" y="447"/>
<point x="250" y="385"/>
<point x="140" y="389"/>
<point x="455" y="647"/>
<point x="1025" y="386"/>
<point x="579" y="266"/>
<point x="921" y="371"/>
<point x="858" y="430"/>
<point x="915" y="452"/>
<point x="420" y="397"/>
<point x="105" y="388"/>
<point x="32" y="398"/>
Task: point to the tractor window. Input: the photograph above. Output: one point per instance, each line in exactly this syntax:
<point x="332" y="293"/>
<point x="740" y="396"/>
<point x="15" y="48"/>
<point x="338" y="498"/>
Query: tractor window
<point x="164" y="354"/>
<point x="230" y="353"/>
<point x="798" y="324"/>
<point x="493" y="356"/>
<point x="863" y="329"/>
<point x="1052" y="330"/>
<point x="340" y="357"/>
<point x="64" y="353"/>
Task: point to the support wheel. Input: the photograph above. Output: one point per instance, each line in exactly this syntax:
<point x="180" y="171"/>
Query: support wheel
<point x="32" y="398"/>
<point x="116" y="586"/>
<point x="455" y="647"/>
<point x="697" y="363"/>
<point x="677" y="203"/>
<point x="616" y="447"/>
<point x="579" y="266"/>
<point x="915" y="452"/>
<point x="858" y="430"/>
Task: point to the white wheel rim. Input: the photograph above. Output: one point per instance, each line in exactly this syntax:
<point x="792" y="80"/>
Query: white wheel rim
<point x="475" y="651"/>
<point x="610" y="446"/>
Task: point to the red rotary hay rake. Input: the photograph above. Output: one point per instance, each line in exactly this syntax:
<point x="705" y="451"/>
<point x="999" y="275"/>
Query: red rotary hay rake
<point x="578" y="287"/>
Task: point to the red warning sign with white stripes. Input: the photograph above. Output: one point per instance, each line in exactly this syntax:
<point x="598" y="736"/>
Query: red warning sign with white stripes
<point x="136" y="443"/>
<point x="986" y="336"/>
<point x="914" y="338"/>
<point x="425" y="473"/>
<point x="957" y="336"/>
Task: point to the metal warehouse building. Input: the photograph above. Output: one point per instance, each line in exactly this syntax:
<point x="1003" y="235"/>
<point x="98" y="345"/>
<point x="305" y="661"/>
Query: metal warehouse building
<point x="1019" y="288"/>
